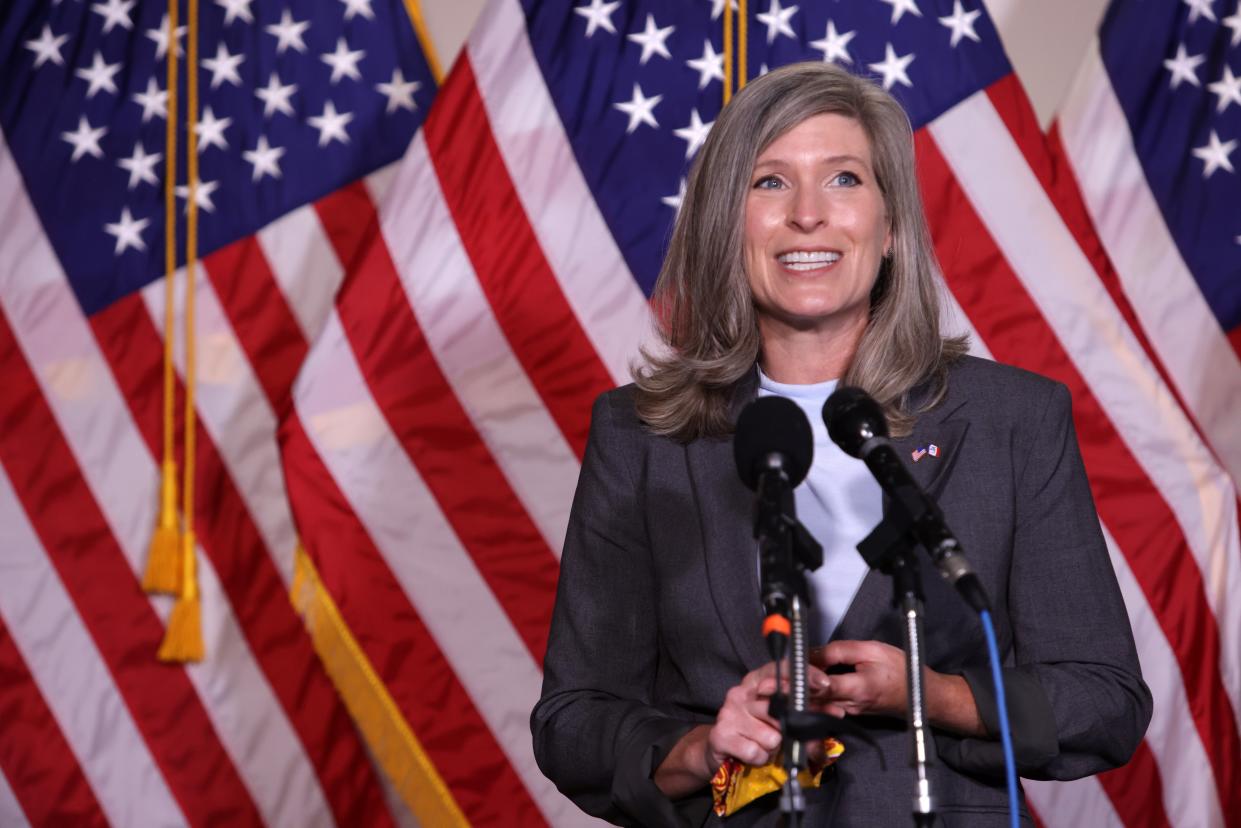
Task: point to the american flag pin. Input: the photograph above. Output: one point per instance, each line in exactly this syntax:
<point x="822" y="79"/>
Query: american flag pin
<point x="918" y="453"/>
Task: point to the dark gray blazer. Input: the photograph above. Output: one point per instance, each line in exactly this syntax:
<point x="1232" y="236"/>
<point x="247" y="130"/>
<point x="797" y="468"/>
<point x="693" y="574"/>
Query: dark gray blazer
<point x="657" y="614"/>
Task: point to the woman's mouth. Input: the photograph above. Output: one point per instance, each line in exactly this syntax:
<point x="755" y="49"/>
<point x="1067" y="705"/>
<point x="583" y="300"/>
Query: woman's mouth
<point x="804" y="260"/>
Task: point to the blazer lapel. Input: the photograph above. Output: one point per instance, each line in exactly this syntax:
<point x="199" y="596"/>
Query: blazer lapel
<point x="726" y="518"/>
<point x="873" y="600"/>
<point x="725" y="509"/>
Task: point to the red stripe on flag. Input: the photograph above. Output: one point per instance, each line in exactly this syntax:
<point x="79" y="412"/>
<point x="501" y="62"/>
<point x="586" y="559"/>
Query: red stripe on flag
<point x="435" y="431"/>
<point x="413" y="669"/>
<point x="36" y="759"/>
<point x="260" y="316"/>
<point x="1129" y="788"/>
<point x="255" y="590"/>
<point x="114" y="610"/>
<point x="545" y="334"/>
<point x="1142" y="523"/>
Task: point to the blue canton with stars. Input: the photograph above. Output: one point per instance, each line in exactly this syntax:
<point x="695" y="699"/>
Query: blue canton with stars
<point x="637" y="83"/>
<point x="297" y="98"/>
<point x="1176" y="69"/>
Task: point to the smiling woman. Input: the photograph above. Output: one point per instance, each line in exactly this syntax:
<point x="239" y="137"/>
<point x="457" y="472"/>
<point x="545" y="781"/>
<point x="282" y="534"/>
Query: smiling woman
<point x="801" y="259"/>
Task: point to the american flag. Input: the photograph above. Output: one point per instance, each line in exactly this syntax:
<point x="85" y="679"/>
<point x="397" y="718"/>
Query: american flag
<point x="397" y="360"/>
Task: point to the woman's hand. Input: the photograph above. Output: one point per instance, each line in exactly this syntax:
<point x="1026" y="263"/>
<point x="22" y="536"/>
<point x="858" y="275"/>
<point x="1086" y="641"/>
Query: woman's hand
<point x="742" y="730"/>
<point x="877" y="686"/>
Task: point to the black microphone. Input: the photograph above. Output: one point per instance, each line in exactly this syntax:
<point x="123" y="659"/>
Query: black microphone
<point x="855" y="422"/>
<point x="773" y="446"/>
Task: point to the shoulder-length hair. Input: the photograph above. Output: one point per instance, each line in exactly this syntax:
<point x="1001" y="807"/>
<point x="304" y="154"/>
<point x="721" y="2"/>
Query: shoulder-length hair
<point x="705" y="311"/>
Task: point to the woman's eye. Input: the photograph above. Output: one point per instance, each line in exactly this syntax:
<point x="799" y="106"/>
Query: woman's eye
<point x="846" y="179"/>
<point x="768" y="182"/>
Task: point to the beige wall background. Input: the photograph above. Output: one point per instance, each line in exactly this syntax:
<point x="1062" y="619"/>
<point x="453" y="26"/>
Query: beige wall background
<point x="1045" y="39"/>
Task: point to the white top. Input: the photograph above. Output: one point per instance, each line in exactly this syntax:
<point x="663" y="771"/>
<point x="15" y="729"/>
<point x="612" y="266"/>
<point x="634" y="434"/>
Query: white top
<point x="839" y="503"/>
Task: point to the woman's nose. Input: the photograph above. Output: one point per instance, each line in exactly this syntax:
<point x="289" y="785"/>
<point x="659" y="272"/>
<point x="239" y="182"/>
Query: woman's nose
<point x="808" y="209"/>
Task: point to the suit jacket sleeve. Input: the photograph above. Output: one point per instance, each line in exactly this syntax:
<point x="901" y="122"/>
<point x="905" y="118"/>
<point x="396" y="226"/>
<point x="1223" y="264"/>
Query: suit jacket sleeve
<point x="597" y="734"/>
<point x="1076" y="698"/>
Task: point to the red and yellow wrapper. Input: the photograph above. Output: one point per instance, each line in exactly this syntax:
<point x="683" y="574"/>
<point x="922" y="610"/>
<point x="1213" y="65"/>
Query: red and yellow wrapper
<point x="736" y="784"/>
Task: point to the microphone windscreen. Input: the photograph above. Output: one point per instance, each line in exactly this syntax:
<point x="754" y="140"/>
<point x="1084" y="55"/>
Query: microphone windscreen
<point x="772" y="425"/>
<point x="852" y="417"/>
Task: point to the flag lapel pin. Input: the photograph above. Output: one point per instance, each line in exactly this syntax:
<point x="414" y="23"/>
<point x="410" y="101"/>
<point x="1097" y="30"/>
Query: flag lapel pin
<point x="918" y="453"/>
<point x="933" y="450"/>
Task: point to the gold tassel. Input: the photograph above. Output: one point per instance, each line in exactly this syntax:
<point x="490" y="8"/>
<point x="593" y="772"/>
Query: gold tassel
<point x="183" y="640"/>
<point x="163" y="572"/>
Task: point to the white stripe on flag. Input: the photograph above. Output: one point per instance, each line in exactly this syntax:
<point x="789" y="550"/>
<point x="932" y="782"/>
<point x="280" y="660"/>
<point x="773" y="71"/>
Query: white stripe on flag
<point x="1076" y="804"/>
<point x="440" y="580"/>
<point x="11" y="813"/>
<point x="558" y="203"/>
<point x="472" y="351"/>
<point x="1179" y="324"/>
<point x="304" y="266"/>
<point x="117" y="467"/>
<point x="1042" y="252"/>
<point x="73" y="678"/>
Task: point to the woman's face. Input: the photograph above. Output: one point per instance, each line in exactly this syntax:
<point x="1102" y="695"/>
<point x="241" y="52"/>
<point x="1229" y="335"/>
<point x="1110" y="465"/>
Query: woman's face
<point x="815" y="228"/>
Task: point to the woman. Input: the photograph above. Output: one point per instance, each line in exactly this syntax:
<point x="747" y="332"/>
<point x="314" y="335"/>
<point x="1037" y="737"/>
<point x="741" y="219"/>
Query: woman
<point x="801" y="258"/>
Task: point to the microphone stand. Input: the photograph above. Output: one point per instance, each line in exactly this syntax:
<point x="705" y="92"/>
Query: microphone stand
<point x="890" y="549"/>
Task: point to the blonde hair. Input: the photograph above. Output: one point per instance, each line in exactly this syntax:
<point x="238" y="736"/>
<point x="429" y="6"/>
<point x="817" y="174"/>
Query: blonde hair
<point x="706" y="314"/>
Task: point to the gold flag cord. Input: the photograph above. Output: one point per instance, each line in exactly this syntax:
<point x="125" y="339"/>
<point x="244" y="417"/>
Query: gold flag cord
<point x="183" y="640"/>
<point x="738" y="54"/>
<point x="163" y="569"/>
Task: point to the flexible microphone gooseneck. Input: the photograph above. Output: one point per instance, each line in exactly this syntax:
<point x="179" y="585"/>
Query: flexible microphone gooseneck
<point x="855" y="422"/>
<point x="773" y="447"/>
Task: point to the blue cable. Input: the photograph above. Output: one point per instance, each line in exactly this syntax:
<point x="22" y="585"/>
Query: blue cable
<point x="1006" y="736"/>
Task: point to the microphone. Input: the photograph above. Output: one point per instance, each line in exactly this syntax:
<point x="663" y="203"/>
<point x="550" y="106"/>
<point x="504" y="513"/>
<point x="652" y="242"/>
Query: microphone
<point x="773" y="446"/>
<point x="855" y="422"/>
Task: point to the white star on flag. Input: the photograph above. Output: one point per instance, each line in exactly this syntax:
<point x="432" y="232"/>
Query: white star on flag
<point x="265" y="158"/>
<point x="1215" y="155"/>
<point x="202" y="195"/>
<point x="223" y="66"/>
<point x="235" y="9"/>
<point x="598" y="15"/>
<point x="160" y="36"/>
<point x="674" y="201"/>
<point x="344" y="62"/>
<point x="99" y="75"/>
<point x="400" y="92"/>
<point x="47" y="47"/>
<point x="834" y="45"/>
<point x="899" y="7"/>
<point x="962" y="23"/>
<point x="141" y="166"/>
<point x="210" y="131"/>
<point x="1183" y="67"/>
<point x="331" y="124"/>
<point x="640" y="109"/>
<point x="154" y="101"/>
<point x="1233" y="21"/>
<point x="288" y="32"/>
<point x="353" y="8"/>
<point x="777" y="20"/>
<point x="114" y="13"/>
<point x="1228" y="88"/>
<point x="85" y="139"/>
<point x="710" y="66"/>
<point x="652" y="40"/>
<point x="695" y="134"/>
<point x="717" y="8"/>
<point x="275" y="96"/>
<point x="128" y="232"/>
<point x="1200" y="8"/>
<point x="893" y="68"/>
